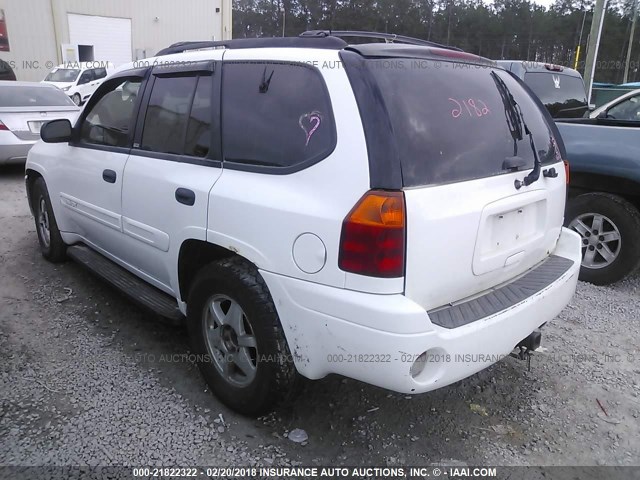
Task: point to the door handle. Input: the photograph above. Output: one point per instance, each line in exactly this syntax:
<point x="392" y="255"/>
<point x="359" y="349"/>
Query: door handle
<point x="185" y="196"/>
<point x="109" y="176"/>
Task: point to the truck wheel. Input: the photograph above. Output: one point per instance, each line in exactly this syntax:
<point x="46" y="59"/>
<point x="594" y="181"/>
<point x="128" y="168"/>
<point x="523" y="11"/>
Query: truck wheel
<point x="610" y="231"/>
<point x="51" y="244"/>
<point x="237" y="337"/>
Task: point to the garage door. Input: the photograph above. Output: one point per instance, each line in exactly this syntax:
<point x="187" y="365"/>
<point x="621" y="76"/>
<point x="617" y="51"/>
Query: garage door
<point x="110" y="37"/>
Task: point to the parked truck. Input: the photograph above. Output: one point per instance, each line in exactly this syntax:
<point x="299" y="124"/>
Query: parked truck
<point x="604" y="158"/>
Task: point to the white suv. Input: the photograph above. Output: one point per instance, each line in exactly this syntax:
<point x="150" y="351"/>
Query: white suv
<point x="79" y="79"/>
<point x="391" y="212"/>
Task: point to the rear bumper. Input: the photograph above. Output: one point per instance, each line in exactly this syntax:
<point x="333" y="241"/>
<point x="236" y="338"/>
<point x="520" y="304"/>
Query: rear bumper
<point x="377" y="338"/>
<point x="12" y="149"/>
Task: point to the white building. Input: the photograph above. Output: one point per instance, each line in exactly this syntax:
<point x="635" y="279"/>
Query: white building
<point x="36" y="35"/>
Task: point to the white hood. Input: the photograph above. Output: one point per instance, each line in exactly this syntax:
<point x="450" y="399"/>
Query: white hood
<point x="60" y="85"/>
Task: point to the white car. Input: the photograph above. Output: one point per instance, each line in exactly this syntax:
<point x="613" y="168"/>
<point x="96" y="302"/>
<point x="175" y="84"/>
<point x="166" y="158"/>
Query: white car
<point x="390" y="212"/>
<point x="24" y="108"/>
<point x="625" y="107"/>
<point x="79" y="79"/>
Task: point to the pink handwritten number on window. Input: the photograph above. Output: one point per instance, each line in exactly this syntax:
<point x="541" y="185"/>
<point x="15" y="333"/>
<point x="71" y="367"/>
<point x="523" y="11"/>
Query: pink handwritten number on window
<point x="474" y="108"/>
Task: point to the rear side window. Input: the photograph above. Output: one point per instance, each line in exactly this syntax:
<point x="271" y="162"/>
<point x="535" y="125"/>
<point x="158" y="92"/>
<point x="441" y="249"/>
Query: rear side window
<point x="563" y="95"/>
<point x="167" y="114"/>
<point x="198" y="139"/>
<point x="449" y="122"/>
<point x="275" y="115"/>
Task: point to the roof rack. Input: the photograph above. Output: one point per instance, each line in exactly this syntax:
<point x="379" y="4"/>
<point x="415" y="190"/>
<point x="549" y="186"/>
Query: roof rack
<point x="329" y="39"/>
<point x="387" y="37"/>
<point x="328" y="42"/>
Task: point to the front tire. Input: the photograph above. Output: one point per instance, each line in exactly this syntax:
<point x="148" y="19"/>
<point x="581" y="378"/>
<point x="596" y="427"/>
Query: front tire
<point x="52" y="246"/>
<point x="610" y="231"/>
<point x="238" y="339"/>
<point x="76" y="99"/>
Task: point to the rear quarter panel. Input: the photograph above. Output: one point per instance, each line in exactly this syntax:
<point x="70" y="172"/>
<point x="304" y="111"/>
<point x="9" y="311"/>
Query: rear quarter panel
<point x="260" y="215"/>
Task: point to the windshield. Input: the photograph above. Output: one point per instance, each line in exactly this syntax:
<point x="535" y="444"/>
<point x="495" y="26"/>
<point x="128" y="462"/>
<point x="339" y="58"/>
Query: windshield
<point x="40" y="96"/>
<point x="563" y="95"/>
<point x="63" y="75"/>
<point x="450" y="122"/>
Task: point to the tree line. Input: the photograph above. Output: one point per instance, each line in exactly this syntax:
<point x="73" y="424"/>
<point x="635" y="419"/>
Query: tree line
<point x="503" y="29"/>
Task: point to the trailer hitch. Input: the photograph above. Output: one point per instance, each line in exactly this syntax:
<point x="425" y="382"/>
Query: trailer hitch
<point x="526" y="346"/>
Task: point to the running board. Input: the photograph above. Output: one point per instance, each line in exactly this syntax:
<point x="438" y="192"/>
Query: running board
<point x="133" y="287"/>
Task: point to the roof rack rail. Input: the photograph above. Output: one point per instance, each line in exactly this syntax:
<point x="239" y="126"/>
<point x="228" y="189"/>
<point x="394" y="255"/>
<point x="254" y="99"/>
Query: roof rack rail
<point x="184" y="46"/>
<point x="326" y="41"/>
<point x="387" y="37"/>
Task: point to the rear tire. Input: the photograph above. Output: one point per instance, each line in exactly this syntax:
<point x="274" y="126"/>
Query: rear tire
<point x="610" y="231"/>
<point x="236" y="334"/>
<point x="52" y="246"/>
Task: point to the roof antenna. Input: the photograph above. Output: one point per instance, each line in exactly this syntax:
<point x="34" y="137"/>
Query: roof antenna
<point x="264" y="86"/>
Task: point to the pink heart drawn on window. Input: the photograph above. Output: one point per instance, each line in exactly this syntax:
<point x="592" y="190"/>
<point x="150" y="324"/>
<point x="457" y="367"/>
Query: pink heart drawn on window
<point x="310" y="122"/>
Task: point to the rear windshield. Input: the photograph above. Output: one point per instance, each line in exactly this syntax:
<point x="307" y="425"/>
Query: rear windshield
<point x="563" y="95"/>
<point x="449" y="121"/>
<point x="33" y="97"/>
<point x="63" y="75"/>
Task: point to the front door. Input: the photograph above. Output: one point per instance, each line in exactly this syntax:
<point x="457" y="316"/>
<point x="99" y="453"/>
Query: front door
<point x="90" y="173"/>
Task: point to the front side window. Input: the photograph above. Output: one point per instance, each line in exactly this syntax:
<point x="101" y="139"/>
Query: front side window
<point x="99" y="73"/>
<point x="110" y="119"/>
<point x="275" y="114"/>
<point x="86" y="77"/>
<point x="626" y="110"/>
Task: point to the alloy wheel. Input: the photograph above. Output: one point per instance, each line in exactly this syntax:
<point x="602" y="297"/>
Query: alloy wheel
<point x="230" y="340"/>
<point x="601" y="239"/>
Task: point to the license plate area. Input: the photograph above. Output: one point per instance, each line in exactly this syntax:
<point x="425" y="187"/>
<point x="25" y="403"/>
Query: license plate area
<point x="509" y="228"/>
<point x="36" y="125"/>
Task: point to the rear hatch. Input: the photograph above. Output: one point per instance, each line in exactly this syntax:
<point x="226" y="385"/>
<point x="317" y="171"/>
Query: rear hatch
<point x="468" y="227"/>
<point x="24" y="109"/>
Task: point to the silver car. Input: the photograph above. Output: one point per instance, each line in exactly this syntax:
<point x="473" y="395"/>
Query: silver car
<point x="24" y="108"/>
<point x="625" y="107"/>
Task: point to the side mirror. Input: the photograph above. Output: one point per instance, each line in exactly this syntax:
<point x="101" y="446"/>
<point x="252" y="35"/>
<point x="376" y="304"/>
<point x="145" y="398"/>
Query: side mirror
<point x="56" y="131"/>
<point x="603" y="115"/>
<point x="592" y="107"/>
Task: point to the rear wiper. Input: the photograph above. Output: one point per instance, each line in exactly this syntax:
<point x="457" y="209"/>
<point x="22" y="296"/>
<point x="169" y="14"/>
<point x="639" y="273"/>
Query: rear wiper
<point x="516" y="123"/>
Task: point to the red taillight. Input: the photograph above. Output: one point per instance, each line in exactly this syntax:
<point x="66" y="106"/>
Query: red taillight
<point x="373" y="236"/>
<point x="3" y="126"/>
<point x="566" y="171"/>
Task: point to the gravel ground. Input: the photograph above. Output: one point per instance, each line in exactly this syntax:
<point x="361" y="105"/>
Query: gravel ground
<point x="88" y="378"/>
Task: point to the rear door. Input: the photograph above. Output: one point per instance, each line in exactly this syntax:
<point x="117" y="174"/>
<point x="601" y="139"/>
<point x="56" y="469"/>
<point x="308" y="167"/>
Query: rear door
<point x="462" y="149"/>
<point x="174" y="164"/>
